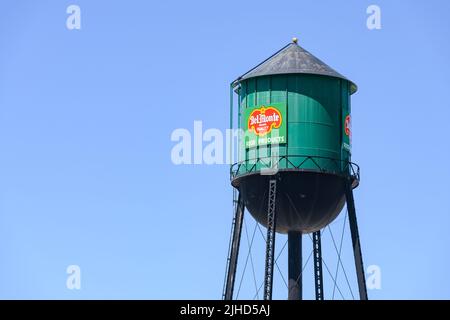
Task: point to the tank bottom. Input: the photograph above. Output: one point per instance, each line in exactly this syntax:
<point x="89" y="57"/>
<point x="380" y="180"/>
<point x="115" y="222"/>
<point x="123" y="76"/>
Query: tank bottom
<point x="305" y="201"/>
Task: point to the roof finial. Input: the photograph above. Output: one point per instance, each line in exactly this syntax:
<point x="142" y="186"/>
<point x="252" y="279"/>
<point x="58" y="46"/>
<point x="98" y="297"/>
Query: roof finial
<point x="294" y="40"/>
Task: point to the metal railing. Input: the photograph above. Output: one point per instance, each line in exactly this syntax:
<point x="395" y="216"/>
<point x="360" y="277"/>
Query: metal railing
<point x="296" y="162"/>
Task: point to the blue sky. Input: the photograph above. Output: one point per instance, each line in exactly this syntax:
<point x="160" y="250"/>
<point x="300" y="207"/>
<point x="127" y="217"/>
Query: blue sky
<point x="86" y="117"/>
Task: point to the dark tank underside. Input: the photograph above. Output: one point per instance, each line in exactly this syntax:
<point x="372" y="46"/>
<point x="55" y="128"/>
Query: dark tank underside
<point x="305" y="201"/>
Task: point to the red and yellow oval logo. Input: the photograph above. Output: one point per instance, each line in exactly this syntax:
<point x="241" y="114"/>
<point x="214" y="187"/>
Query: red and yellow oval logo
<point x="348" y="125"/>
<point x="261" y="121"/>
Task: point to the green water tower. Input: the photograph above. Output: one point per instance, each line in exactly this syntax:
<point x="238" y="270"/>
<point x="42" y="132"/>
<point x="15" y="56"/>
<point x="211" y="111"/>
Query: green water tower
<point x="294" y="173"/>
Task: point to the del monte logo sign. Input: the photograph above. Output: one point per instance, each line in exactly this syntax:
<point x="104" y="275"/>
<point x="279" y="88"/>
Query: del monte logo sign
<point x="265" y="124"/>
<point x="262" y="120"/>
<point x="347" y="138"/>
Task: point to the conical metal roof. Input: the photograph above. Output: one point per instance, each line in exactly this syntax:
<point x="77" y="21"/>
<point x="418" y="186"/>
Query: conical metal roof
<point x="293" y="59"/>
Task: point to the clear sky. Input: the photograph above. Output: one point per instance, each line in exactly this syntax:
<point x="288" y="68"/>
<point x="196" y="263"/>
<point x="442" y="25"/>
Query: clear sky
<point x="86" y="116"/>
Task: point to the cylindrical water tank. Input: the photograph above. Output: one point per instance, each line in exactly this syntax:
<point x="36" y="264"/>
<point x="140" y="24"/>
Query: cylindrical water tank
<point x="295" y="113"/>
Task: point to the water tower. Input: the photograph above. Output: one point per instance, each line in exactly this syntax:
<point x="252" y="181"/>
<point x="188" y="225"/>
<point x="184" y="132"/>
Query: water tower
<point x="294" y="173"/>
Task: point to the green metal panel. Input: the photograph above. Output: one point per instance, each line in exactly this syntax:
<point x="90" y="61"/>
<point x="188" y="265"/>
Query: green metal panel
<point x="316" y="107"/>
<point x="345" y="112"/>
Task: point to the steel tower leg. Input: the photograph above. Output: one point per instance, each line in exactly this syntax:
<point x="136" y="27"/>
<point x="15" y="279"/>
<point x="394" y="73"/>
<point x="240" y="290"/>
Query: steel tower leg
<point x="270" y="240"/>
<point x="234" y="249"/>
<point x="318" y="275"/>
<point x="295" y="265"/>
<point x="355" y="241"/>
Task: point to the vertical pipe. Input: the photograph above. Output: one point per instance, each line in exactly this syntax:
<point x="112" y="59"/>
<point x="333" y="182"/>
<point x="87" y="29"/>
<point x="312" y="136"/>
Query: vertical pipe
<point x="295" y="265"/>
<point x="355" y="241"/>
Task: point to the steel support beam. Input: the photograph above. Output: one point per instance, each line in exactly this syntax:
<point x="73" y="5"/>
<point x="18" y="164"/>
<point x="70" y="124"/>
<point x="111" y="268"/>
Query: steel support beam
<point x="295" y="265"/>
<point x="355" y="241"/>
<point x="270" y="240"/>
<point x="318" y="275"/>
<point x="234" y="249"/>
